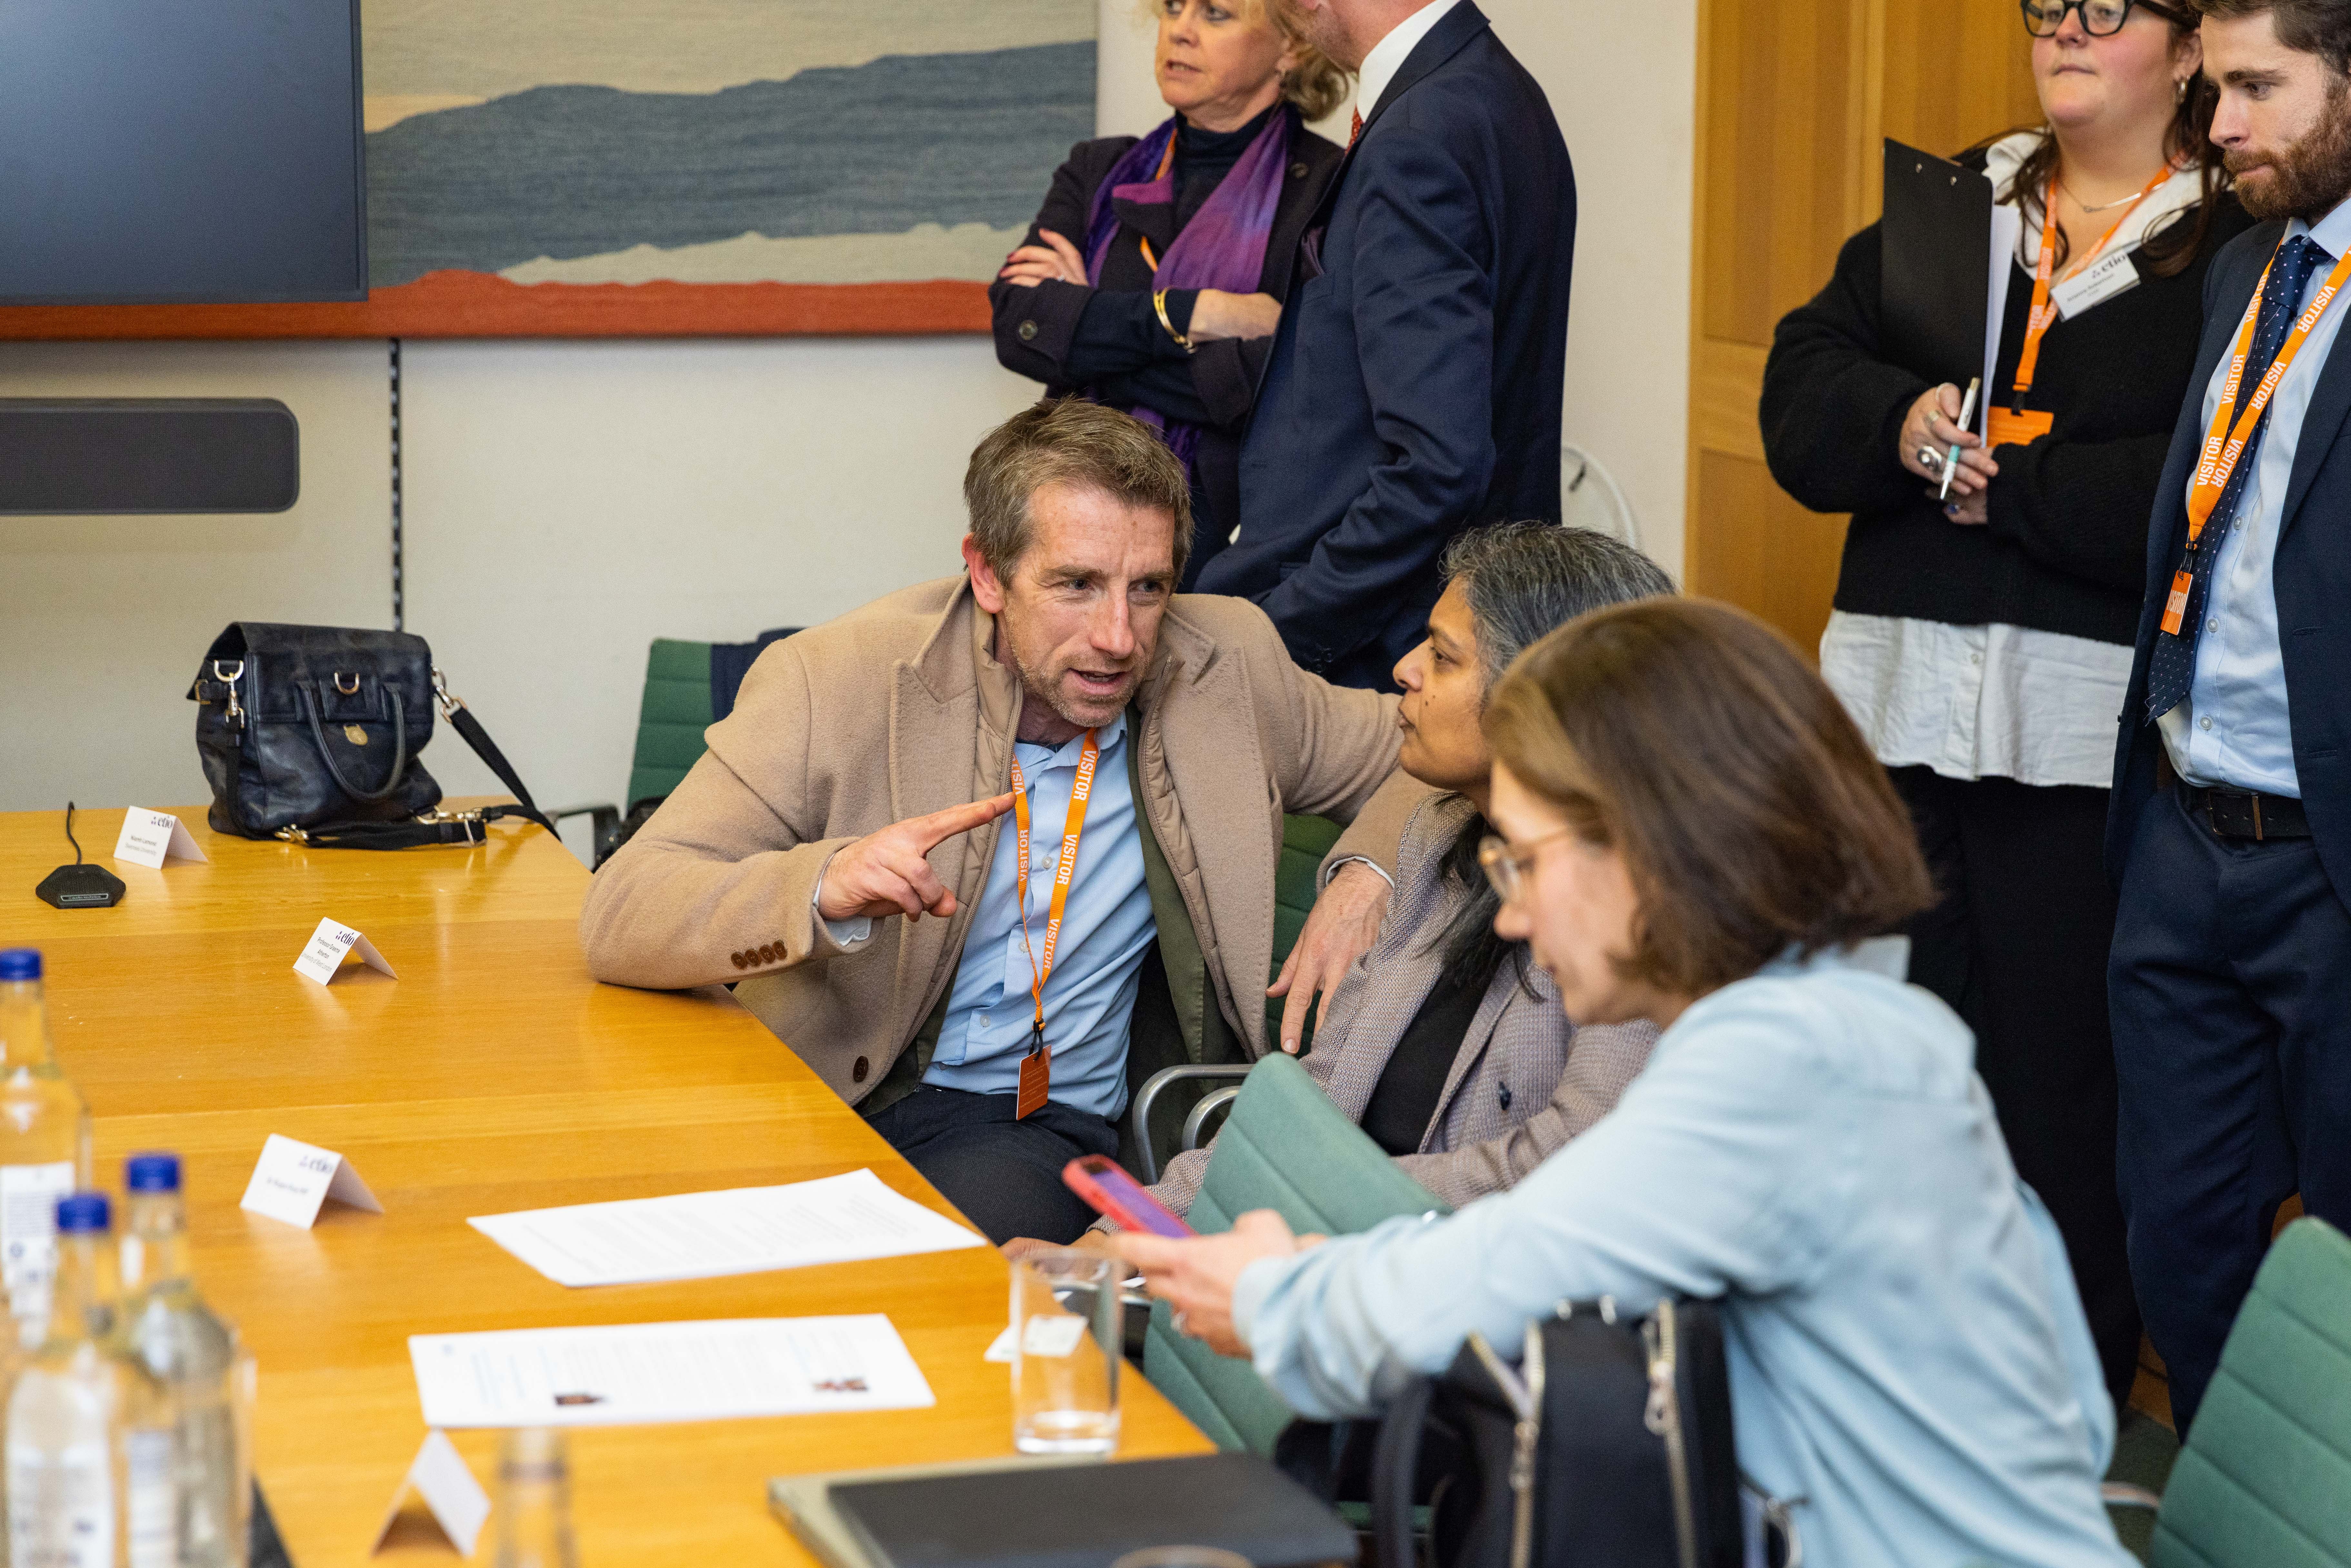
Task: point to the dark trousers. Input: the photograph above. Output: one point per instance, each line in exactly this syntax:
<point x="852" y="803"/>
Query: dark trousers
<point x="2017" y="947"/>
<point x="1004" y="1173"/>
<point x="2232" y="985"/>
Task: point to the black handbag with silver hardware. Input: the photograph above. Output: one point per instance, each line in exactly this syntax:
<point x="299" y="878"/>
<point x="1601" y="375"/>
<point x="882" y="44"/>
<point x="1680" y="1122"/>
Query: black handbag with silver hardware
<point x="312" y="734"/>
<point x="1608" y="1446"/>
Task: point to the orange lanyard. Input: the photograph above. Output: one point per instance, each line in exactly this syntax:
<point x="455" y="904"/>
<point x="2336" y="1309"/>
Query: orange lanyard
<point x="2224" y="441"/>
<point x="1166" y="162"/>
<point x="2045" y="313"/>
<point x="1081" y="790"/>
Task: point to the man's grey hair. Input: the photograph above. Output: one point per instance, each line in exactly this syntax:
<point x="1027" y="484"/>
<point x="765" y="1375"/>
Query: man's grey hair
<point x="1523" y="579"/>
<point x="1069" y="441"/>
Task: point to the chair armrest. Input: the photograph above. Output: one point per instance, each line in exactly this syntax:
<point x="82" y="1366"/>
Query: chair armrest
<point x="1216" y="1100"/>
<point x="1148" y="1095"/>
<point x="2122" y="1494"/>
<point x="603" y="828"/>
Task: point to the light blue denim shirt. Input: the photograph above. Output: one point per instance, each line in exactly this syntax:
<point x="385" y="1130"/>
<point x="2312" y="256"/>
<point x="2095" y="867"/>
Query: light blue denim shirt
<point x="1811" y="1145"/>
<point x="1097" y="961"/>
<point x="2234" y="728"/>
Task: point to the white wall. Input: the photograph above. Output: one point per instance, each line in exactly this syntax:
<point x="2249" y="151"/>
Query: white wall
<point x="568" y="501"/>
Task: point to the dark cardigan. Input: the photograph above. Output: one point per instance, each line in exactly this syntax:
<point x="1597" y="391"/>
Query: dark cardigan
<point x="2064" y="548"/>
<point x="1050" y="334"/>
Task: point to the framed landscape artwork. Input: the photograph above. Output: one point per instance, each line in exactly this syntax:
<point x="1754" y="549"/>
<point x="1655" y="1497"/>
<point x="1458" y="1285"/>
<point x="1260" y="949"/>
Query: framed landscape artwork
<point x="585" y="168"/>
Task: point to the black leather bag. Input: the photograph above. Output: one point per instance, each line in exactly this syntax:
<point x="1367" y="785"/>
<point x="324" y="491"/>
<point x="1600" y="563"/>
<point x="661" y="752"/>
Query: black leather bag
<point x="1609" y="1445"/>
<point x="314" y="734"/>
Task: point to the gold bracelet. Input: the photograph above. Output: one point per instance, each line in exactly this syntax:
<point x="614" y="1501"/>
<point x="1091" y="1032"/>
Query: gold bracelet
<point x="1159" y="303"/>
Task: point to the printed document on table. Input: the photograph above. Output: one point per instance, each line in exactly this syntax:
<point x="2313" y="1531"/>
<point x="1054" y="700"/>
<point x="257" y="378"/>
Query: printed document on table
<point x="743" y="1231"/>
<point x="620" y="1374"/>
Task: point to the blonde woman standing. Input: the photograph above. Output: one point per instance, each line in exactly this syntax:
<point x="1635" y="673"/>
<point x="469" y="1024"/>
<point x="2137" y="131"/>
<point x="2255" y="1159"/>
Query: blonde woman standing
<point x="1154" y="276"/>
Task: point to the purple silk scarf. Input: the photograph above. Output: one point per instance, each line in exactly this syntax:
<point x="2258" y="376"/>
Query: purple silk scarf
<point x="1222" y="247"/>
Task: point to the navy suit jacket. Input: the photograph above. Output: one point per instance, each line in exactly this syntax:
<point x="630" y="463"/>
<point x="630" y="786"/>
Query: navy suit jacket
<point x="2311" y="577"/>
<point x="1414" y="385"/>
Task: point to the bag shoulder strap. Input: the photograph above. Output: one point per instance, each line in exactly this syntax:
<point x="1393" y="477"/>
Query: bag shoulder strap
<point x="461" y="719"/>
<point x="436" y="827"/>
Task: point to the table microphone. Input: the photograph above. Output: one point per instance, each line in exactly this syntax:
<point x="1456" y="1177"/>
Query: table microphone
<point x="80" y="886"/>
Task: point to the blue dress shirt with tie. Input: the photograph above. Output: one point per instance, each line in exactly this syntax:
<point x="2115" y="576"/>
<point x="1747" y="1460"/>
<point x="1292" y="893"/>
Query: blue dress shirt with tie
<point x="2233" y="728"/>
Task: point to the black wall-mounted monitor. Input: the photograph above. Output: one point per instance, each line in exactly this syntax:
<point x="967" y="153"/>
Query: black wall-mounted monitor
<point x="181" y="152"/>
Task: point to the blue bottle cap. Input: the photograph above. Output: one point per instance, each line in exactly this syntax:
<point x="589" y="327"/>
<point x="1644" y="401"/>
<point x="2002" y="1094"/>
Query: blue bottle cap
<point x="20" y="964"/>
<point x="83" y="1214"/>
<point x="152" y="1172"/>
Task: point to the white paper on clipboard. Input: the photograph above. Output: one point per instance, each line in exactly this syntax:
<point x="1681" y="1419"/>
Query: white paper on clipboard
<point x="2007" y="230"/>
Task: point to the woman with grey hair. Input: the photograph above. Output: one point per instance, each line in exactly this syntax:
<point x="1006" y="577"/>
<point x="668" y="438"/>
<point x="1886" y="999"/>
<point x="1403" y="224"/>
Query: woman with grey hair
<point x="1446" y="1044"/>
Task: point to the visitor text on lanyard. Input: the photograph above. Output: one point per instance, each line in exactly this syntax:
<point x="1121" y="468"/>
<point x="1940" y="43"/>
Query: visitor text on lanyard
<point x="1037" y="1066"/>
<point x="2225" y="441"/>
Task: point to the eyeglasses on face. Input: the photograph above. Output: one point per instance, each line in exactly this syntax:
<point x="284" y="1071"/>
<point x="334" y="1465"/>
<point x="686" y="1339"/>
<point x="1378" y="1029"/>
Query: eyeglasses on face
<point x="2100" y="19"/>
<point x="1510" y="870"/>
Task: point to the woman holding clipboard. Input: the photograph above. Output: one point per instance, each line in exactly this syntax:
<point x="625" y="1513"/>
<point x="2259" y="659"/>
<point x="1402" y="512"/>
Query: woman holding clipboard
<point x="1981" y="639"/>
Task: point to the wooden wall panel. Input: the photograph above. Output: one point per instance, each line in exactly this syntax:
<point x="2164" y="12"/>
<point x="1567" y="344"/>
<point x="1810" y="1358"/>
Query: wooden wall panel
<point x="1794" y="98"/>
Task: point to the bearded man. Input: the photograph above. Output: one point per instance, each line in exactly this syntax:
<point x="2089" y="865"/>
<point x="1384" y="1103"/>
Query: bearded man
<point x="2230" y="833"/>
<point x="1146" y="744"/>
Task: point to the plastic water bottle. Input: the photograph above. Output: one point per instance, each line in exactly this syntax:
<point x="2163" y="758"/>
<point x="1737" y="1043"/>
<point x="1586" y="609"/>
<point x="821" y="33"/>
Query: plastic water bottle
<point x="204" y="1379"/>
<point x="82" y="1419"/>
<point x="44" y="1143"/>
<point x="533" y="1507"/>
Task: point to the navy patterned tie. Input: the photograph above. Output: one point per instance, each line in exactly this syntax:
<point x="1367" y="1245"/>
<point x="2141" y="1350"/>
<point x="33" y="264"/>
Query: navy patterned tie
<point x="2173" y="667"/>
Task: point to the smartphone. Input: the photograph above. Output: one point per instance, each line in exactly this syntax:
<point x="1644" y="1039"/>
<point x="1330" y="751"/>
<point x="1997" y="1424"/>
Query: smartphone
<point x="1100" y="1181"/>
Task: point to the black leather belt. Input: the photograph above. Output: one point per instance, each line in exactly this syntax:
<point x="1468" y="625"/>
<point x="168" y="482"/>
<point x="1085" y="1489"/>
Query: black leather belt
<point x="2243" y="814"/>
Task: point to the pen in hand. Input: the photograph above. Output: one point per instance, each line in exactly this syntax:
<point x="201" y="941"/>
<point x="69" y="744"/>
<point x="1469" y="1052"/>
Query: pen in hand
<point x="1967" y="413"/>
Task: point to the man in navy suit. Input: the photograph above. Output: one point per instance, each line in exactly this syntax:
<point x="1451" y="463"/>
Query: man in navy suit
<point x="1413" y="387"/>
<point x="2230" y="825"/>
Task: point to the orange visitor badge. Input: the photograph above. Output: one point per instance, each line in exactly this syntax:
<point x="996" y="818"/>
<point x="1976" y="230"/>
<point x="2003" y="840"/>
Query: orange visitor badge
<point x="2017" y="427"/>
<point x="2175" y="608"/>
<point x="1036" y="1079"/>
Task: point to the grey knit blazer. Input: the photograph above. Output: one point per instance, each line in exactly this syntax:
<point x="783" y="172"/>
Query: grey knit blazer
<point x="1525" y="1079"/>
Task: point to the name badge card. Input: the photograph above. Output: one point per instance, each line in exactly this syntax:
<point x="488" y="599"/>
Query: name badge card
<point x="294" y="1178"/>
<point x="148" y="837"/>
<point x="329" y="945"/>
<point x="440" y="1476"/>
<point x="2103" y="280"/>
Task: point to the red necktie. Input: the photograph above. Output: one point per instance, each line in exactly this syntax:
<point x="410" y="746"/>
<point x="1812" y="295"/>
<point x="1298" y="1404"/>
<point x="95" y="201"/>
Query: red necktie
<point x="1356" y="128"/>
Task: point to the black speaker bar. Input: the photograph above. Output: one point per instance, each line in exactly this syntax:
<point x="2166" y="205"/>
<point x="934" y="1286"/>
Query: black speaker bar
<point x="112" y="455"/>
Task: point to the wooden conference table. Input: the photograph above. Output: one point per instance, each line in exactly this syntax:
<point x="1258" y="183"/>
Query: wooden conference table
<point x="493" y="1075"/>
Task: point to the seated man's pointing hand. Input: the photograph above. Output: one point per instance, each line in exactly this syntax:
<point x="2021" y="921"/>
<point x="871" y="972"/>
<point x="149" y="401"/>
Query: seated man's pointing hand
<point x="887" y="872"/>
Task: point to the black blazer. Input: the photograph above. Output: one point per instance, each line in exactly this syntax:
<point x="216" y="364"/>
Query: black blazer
<point x="1415" y="382"/>
<point x="2312" y="578"/>
<point x="1214" y="387"/>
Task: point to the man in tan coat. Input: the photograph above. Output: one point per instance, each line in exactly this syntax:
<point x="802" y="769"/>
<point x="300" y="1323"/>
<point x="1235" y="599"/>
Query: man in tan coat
<point x="858" y="787"/>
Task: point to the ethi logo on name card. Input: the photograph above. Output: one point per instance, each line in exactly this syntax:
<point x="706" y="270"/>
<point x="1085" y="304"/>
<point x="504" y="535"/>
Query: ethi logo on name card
<point x="440" y="1476"/>
<point x="293" y="1178"/>
<point x="329" y="945"/>
<point x="148" y="837"/>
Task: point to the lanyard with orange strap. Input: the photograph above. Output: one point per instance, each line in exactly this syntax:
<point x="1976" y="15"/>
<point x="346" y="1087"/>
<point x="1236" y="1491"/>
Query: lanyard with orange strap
<point x="1037" y="1066"/>
<point x="2225" y="441"/>
<point x="1166" y="162"/>
<point x="2016" y="426"/>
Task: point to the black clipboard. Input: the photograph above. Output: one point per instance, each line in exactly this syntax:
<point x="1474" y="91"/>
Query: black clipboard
<point x="1933" y="302"/>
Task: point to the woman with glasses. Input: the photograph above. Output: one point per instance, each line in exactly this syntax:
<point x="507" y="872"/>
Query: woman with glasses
<point x="1693" y="832"/>
<point x="1447" y="1045"/>
<point x="1982" y="640"/>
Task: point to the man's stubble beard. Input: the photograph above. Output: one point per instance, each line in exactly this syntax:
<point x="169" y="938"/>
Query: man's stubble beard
<point x="1032" y="691"/>
<point x="2311" y="178"/>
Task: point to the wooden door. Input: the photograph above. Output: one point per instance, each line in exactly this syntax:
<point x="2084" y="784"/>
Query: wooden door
<point x="1794" y="99"/>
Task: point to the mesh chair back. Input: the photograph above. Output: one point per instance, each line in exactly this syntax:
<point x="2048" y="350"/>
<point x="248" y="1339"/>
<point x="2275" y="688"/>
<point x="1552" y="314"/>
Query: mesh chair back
<point x="1285" y="1147"/>
<point x="2264" y="1479"/>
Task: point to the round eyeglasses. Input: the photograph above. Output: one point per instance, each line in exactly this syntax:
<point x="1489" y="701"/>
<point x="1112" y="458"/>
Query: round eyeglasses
<point x="1510" y="868"/>
<point x="2100" y="19"/>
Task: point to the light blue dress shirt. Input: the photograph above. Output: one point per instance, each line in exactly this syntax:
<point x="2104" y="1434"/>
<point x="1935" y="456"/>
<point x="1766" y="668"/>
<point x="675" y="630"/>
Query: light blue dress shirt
<point x="1105" y="931"/>
<point x="2233" y="729"/>
<point x="1907" y="1353"/>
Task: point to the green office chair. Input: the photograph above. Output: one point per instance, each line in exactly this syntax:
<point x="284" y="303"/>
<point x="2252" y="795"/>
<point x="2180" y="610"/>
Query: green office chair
<point x="2264" y="1479"/>
<point x="1285" y="1147"/>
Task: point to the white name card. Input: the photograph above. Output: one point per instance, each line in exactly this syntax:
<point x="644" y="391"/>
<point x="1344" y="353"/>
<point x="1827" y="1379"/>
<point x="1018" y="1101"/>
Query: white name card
<point x="149" y="836"/>
<point x="294" y="1178"/>
<point x="440" y="1476"/>
<point x="329" y="945"/>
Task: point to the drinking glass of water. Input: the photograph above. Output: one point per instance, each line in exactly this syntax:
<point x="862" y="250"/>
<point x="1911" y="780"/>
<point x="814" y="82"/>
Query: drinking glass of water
<point x="1066" y="1348"/>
